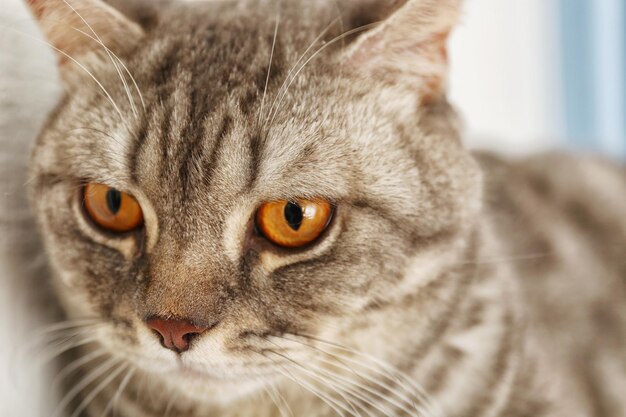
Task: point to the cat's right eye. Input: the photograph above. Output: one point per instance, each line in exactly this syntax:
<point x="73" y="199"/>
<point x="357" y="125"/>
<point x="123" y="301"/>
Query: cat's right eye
<point x="113" y="210"/>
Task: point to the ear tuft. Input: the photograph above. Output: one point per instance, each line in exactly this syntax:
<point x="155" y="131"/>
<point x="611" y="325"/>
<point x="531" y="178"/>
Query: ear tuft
<point x="79" y="27"/>
<point x="409" y="46"/>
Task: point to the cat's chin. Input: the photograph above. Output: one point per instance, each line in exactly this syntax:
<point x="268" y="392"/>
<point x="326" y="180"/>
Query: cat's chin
<point x="205" y="388"/>
<point x="212" y="388"/>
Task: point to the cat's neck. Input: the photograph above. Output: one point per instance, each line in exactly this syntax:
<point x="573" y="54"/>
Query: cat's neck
<point x="458" y="335"/>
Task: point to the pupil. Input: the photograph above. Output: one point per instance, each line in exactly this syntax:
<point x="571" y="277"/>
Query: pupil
<point x="293" y="215"/>
<point x="114" y="200"/>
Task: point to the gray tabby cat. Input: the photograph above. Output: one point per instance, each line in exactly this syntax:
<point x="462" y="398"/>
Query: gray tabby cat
<point x="263" y="208"/>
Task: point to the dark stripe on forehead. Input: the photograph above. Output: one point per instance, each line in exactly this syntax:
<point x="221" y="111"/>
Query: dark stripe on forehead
<point x="149" y="135"/>
<point x="137" y="145"/>
<point x="225" y="128"/>
<point x="210" y="153"/>
<point x="248" y="99"/>
<point x="166" y="67"/>
<point x="192" y="140"/>
<point x="256" y="148"/>
<point x="164" y="132"/>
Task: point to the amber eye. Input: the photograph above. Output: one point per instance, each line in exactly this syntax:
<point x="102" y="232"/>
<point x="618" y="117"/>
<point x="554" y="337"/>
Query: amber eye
<point x="111" y="209"/>
<point x="293" y="224"/>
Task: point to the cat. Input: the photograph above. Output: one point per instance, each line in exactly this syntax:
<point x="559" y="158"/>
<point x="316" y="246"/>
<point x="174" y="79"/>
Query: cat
<point x="264" y="208"/>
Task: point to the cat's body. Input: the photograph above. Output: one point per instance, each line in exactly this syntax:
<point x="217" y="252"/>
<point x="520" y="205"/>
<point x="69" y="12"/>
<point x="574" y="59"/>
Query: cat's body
<point x="534" y="325"/>
<point x="445" y="284"/>
<point x="560" y="224"/>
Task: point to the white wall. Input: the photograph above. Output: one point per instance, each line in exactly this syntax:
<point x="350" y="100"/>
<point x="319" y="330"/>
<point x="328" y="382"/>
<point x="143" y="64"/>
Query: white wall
<point x="505" y="74"/>
<point x="28" y="91"/>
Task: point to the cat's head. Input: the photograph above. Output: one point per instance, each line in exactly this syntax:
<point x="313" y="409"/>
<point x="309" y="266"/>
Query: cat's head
<point x="222" y="176"/>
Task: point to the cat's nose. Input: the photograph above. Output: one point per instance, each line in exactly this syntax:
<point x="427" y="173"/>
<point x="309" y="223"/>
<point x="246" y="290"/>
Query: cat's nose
<point x="175" y="334"/>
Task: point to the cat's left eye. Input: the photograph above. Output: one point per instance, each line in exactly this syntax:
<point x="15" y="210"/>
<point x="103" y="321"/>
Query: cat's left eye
<point x="293" y="224"/>
<point x="111" y="209"/>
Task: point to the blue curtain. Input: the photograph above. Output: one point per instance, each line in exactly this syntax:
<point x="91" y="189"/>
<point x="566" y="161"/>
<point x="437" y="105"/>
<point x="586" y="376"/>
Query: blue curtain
<point x="593" y="38"/>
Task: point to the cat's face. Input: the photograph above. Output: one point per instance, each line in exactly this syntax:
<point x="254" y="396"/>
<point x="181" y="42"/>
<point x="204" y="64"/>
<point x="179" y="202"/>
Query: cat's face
<point x="206" y="145"/>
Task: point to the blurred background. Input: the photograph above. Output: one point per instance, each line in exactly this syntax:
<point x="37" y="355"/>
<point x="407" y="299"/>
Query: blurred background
<point x="527" y="75"/>
<point x="530" y="75"/>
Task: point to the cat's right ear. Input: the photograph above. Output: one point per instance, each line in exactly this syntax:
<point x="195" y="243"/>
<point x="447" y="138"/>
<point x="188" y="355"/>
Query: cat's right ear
<point x="406" y="45"/>
<point x="83" y="30"/>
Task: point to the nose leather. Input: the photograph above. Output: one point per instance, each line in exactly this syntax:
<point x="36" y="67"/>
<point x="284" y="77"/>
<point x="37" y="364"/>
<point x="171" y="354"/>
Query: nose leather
<point x="175" y="335"/>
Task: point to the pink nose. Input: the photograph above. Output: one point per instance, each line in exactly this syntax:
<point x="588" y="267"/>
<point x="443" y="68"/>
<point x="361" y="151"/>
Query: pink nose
<point x="175" y="334"/>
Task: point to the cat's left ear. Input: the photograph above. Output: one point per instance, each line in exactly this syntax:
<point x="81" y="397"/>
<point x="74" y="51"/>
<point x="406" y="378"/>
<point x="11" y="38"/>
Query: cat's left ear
<point x="76" y="28"/>
<point x="408" y="45"/>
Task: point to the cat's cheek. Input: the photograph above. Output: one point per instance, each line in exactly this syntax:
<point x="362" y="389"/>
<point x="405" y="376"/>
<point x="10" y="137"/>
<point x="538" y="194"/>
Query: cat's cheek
<point x="53" y="209"/>
<point x="86" y="267"/>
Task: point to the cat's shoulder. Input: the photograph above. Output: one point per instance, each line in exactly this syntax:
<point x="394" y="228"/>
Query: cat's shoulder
<point x="570" y="181"/>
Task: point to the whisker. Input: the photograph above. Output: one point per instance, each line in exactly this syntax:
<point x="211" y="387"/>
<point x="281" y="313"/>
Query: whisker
<point x="37" y="75"/>
<point x="116" y="62"/>
<point x="170" y="404"/>
<point x="140" y="389"/>
<point x="278" y="395"/>
<point x="347" y="385"/>
<point x="71" y="344"/>
<point x="391" y="371"/>
<point x="332" y="403"/>
<point x="383" y="385"/>
<point x="34" y="347"/>
<point x="84" y="383"/>
<point x="513" y="258"/>
<point x="75" y="364"/>
<point x="394" y="374"/>
<point x="79" y="64"/>
<point x="272" y="396"/>
<point x="269" y="67"/>
<point x="320" y="50"/>
<point x="319" y="378"/>
<point x="54" y="338"/>
<point x="295" y="65"/>
<point x="113" y="402"/>
<point x="338" y="362"/>
<point x="66" y="324"/>
<point x="108" y="52"/>
<point x="98" y="389"/>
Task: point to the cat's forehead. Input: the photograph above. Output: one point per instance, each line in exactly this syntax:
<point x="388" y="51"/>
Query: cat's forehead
<point x="224" y="113"/>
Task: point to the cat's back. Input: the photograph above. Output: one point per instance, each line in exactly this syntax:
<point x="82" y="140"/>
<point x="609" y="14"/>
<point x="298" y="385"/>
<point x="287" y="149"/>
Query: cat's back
<point x="561" y="222"/>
